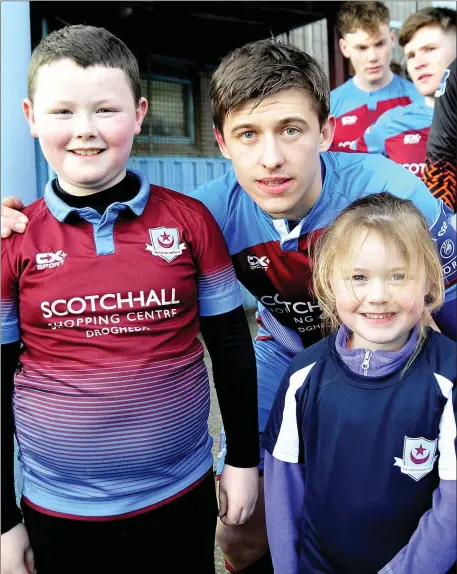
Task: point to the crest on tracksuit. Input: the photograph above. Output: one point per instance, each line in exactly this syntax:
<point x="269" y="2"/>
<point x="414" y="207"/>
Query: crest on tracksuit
<point x="419" y="455"/>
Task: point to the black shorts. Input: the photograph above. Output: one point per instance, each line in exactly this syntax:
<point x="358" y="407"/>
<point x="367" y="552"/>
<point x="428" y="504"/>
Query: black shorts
<point x="177" y="537"/>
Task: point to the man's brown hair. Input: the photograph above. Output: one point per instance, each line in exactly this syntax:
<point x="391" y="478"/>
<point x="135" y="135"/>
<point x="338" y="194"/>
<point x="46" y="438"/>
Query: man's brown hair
<point x="260" y="69"/>
<point x="444" y="18"/>
<point x="367" y="16"/>
<point x="86" y="46"/>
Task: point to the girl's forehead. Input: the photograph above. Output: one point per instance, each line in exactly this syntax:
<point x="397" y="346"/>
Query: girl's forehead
<point x="371" y="250"/>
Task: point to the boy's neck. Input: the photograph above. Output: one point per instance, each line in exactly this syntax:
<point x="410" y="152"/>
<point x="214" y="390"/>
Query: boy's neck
<point x="430" y="101"/>
<point x="367" y="86"/>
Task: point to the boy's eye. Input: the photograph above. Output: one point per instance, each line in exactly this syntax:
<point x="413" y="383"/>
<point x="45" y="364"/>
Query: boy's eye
<point x="105" y="110"/>
<point x="61" y="112"/>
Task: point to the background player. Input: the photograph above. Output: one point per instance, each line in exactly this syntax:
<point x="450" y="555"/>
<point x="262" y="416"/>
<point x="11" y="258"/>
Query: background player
<point x="367" y="41"/>
<point x="428" y="38"/>
<point x="351" y="478"/>
<point x="271" y="116"/>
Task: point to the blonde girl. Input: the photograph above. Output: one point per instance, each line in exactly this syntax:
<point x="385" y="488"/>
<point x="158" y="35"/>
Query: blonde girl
<point x="360" y="466"/>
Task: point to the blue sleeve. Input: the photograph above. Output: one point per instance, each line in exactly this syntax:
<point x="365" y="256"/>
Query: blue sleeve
<point x="218" y="288"/>
<point x="374" y="138"/>
<point x="432" y="547"/>
<point x="284" y="496"/>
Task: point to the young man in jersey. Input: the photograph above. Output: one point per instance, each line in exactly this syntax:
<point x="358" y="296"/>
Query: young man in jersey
<point x="367" y="41"/>
<point x="440" y="174"/>
<point x="271" y="118"/>
<point x="114" y="279"/>
<point x="428" y="38"/>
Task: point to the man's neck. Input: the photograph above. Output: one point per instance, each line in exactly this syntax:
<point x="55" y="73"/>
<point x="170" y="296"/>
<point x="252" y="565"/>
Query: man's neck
<point x="367" y="86"/>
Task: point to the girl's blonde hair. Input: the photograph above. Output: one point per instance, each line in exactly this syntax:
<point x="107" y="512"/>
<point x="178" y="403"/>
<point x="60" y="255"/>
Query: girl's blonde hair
<point x="400" y="225"/>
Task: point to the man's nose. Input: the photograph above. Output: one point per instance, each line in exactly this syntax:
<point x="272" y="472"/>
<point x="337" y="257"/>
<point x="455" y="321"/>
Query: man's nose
<point x="272" y="156"/>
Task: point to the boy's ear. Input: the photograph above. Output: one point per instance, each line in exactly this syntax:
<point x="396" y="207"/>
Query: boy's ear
<point x="141" y="110"/>
<point x="392" y="36"/>
<point x="343" y="47"/>
<point x="221" y="143"/>
<point x="327" y="132"/>
<point x="27" y="108"/>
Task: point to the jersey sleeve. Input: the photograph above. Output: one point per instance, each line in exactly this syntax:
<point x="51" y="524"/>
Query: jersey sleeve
<point x="373" y="139"/>
<point x="440" y="173"/>
<point x="9" y="299"/>
<point x="218" y="287"/>
<point x="282" y="437"/>
<point x="440" y="218"/>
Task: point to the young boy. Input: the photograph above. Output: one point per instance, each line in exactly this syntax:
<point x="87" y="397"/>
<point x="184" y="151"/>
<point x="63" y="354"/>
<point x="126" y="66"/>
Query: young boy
<point x="271" y="116"/>
<point x="428" y="38"/>
<point x="105" y="294"/>
<point x="367" y="41"/>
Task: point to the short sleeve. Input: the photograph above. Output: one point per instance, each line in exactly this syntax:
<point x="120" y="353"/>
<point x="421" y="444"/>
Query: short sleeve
<point x="9" y="299"/>
<point x="218" y="288"/>
<point x="282" y="436"/>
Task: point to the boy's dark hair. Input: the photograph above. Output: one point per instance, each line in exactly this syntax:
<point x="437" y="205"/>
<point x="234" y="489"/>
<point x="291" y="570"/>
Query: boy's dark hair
<point x="367" y="16"/>
<point x="444" y="18"/>
<point x="86" y="46"/>
<point x="260" y="69"/>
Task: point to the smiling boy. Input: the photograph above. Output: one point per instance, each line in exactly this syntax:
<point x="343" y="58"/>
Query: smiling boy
<point x="102" y="301"/>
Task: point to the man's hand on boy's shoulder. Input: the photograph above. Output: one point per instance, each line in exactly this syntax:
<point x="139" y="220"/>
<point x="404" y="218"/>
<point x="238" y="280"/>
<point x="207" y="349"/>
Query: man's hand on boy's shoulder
<point x="16" y="553"/>
<point x="238" y="491"/>
<point x="12" y="218"/>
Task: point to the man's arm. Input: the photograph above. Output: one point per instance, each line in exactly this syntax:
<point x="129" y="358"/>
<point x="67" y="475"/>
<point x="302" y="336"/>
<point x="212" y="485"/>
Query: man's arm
<point x="229" y="343"/>
<point x="440" y="174"/>
<point x="12" y="218"/>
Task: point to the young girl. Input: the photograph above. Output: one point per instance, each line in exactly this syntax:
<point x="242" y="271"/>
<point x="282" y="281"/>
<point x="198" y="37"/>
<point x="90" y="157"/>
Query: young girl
<point x="360" y="468"/>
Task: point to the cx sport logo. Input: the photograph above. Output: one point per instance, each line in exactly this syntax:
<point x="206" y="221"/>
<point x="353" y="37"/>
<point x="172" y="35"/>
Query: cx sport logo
<point x="258" y="262"/>
<point x="50" y="260"/>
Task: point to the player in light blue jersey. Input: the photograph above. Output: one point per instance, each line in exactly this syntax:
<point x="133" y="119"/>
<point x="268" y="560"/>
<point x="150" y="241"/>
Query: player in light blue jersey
<point x="367" y="41"/>
<point x="271" y="117"/>
<point x="428" y="38"/>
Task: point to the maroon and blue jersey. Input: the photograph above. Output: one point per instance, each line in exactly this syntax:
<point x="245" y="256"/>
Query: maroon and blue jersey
<point x="355" y="110"/>
<point x="401" y="135"/>
<point x="272" y="260"/>
<point x="111" y="400"/>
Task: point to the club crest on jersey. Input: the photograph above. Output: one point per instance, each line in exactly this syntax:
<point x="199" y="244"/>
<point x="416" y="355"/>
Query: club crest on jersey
<point x="419" y="455"/>
<point x="165" y="243"/>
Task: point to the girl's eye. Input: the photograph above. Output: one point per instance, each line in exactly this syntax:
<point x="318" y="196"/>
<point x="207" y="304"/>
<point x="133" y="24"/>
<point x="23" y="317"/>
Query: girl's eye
<point x="398" y="276"/>
<point x="358" y="277"/>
